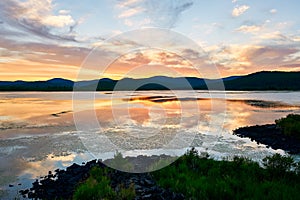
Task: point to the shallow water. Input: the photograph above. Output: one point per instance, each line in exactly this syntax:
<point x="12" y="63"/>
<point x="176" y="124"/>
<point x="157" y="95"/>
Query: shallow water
<point x="38" y="132"/>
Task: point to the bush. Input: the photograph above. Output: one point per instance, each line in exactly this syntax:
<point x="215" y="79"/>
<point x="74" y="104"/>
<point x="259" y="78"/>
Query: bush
<point x="278" y="163"/>
<point x="118" y="162"/>
<point x="97" y="186"/>
<point x="127" y="193"/>
<point x="290" y="125"/>
<point x="202" y="178"/>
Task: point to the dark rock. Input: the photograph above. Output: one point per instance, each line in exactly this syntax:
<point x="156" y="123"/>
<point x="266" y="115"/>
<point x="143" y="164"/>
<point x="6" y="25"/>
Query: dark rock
<point x="149" y="182"/>
<point x="31" y="195"/>
<point x="67" y="180"/>
<point x="10" y="185"/>
<point x="147" y="196"/>
<point x="23" y="192"/>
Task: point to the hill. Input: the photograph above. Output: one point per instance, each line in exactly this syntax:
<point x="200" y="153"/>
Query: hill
<point x="264" y="80"/>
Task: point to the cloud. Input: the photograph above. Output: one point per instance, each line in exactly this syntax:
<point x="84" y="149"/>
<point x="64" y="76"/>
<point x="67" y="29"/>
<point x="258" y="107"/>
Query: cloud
<point x="58" y="21"/>
<point x="130" y="12"/>
<point x="163" y="14"/>
<point x="36" y="17"/>
<point x="128" y="3"/>
<point x="275" y="36"/>
<point x="239" y="10"/>
<point x="294" y="57"/>
<point x="45" y="53"/>
<point x="248" y="29"/>
<point x="244" y="59"/>
<point x="273" y="11"/>
<point x="154" y="57"/>
<point x="36" y="11"/>
<point x="137" y="58"/>
<point x="64" y="12"/>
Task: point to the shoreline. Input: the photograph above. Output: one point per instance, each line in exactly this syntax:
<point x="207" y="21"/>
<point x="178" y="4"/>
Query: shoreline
<point x="66" y="184"/>
<point x="270" y="135"/>
<point x="62" y="183"/>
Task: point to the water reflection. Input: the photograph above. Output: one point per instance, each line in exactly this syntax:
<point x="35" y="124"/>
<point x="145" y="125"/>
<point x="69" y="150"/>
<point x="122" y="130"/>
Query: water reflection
<point x="38" y="134"/>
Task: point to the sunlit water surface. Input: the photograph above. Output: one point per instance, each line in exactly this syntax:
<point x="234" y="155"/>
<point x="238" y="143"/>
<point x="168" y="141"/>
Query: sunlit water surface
<point x="38" y="132"/>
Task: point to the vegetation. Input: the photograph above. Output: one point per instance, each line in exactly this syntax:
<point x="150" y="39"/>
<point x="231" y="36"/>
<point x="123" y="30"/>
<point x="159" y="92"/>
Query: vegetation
<point x="290" y="125"/>
<point x="97" y="186"/>
<point x="120" y="163"/>
<point x="203" y="178"/>
<point x="199" y="177"/>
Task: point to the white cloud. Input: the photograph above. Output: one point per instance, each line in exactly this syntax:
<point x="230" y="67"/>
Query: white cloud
<point x="58" y="21"/>
<point x="248" y="29"/>
<point x="272" y="35"/>
<point x="130" y="12"/>
<point x="37" y="17"/>
<point x="128" y="22"/>
<point x="161" y="13"/>
<point x="127" y="3"/>
<point x="294" y="57"/>
<point x="239" y="10"/>
<point x="64" y="12"/>
<point x="296" y="39"/>
<point x="42" y="12"/>
<point x="273" y="11"/>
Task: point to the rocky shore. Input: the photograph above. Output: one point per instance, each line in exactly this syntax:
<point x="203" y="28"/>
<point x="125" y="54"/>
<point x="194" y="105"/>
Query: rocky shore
<point x="270" y="135"/>
<point x="61" y="184"/>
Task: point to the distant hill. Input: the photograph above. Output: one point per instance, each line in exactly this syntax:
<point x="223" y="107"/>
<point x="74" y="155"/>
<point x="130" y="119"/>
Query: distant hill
<point x="56" y="84"/>
<point x="264" y="80"/>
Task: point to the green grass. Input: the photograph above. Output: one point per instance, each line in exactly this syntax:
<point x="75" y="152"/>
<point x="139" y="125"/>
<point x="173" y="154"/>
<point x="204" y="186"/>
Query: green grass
<point x="203" y="178"/>
<point x="290" y="125"/>
<point x="97" y="186"/>
<point x="199" y="177"/>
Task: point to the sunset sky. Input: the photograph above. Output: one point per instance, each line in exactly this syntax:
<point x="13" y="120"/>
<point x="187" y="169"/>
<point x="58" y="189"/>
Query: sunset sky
<point x="43" y="39"/>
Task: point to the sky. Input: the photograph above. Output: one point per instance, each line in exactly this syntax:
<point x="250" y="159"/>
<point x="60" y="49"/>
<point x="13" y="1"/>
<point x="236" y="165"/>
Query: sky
<point x="43" y="39"/>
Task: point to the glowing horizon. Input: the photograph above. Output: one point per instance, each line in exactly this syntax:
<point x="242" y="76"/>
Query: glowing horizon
<point x="45" y="39"/>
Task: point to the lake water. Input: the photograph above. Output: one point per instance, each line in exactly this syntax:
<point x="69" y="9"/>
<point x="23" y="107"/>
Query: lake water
<point x="38" y="132"/>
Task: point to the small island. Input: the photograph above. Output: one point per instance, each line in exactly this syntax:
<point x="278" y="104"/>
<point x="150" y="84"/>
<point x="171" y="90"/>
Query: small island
<point x="283" y="134"/>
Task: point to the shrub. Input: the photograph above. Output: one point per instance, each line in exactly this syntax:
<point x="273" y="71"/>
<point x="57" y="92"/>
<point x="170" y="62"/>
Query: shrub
<point x="278" y="163"/>
<point x="97" y="186"/>
<point x="118" y="162"/>
<point x="126" y="193"/>
<point x="290" y="125"/>
<point x="203" y="178"/>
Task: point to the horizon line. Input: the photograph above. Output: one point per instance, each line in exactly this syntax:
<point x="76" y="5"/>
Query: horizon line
<point x="146" y="77"/>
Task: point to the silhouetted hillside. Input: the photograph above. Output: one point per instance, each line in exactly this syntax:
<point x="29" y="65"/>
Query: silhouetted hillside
<point x="257" y="81"/>
<point x="266" y="81"/>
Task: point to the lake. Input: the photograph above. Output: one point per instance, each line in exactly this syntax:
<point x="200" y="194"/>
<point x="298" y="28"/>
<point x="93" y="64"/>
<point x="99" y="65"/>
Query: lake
<point x="38" y="132"/>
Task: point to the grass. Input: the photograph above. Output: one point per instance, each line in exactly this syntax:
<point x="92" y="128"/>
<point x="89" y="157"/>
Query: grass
<point x="97" y="186"/>
<point x="199" y="177"/>
<point x="290" y="125"/>
<point x="203" y="178"/>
